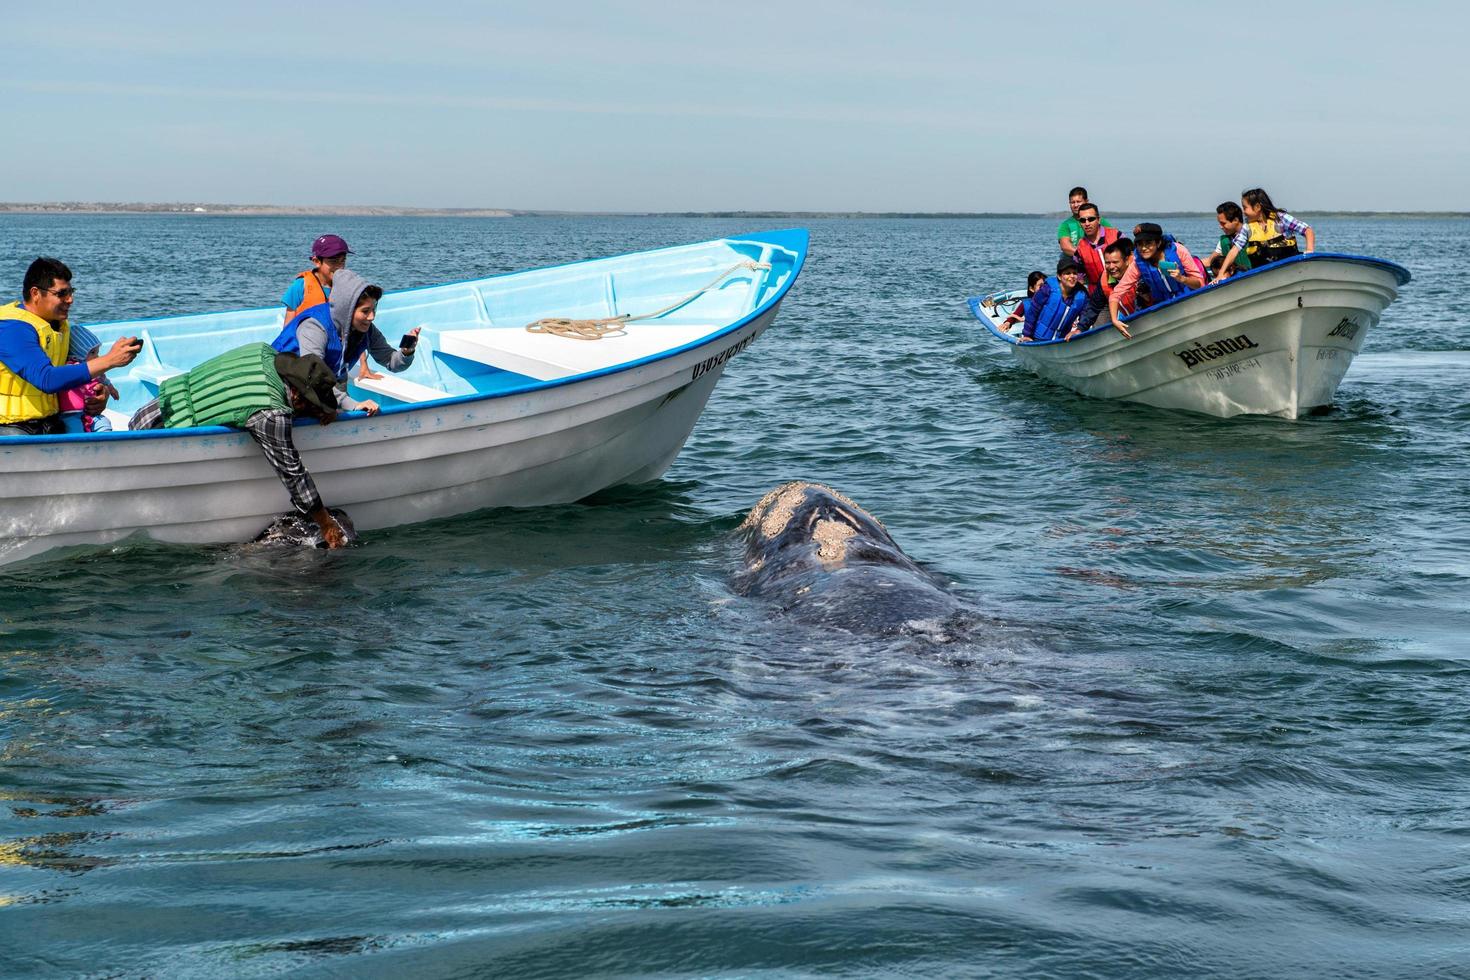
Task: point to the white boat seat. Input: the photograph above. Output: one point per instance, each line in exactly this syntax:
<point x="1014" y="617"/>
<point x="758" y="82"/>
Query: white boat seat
<point x="547" y="357"/>
<point x="400" y="389"/>
<point x="153" y="374"/>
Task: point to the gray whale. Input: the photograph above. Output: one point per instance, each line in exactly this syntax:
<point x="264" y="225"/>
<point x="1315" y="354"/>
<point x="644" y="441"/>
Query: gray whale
<point x="826" y="561"/>
<point x="293" y="529"/>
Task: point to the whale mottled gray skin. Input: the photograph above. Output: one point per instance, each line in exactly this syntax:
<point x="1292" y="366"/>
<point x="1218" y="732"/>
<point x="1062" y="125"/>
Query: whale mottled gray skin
<point x="293" y="529"/>
<point x="825" y="560"/>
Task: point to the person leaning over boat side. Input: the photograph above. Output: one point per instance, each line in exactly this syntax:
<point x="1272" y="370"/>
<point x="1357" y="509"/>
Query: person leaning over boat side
<point x="1069" y="232"/>
<point x="1059" y="301"/>
<point x="259" y="390"/>
<point x="1232" y="224"/>
<point x="342" y="330"/>
<point x="35" y="338"/>
<point x="1115" y="263"/>
<point x="1269" y="234"/>
<point x="1095" y="238"/>
<point x="1151" y="250"/>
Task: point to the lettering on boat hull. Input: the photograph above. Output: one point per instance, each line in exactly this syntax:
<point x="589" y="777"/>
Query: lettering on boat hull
<point x="1200" y="353"/>
<point x="1347" y="328"/>
<point x="710" y="363"/>
<point x="1231" y="370"/>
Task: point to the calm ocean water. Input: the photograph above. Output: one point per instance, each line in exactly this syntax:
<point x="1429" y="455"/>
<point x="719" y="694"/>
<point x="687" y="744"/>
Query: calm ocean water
<point x="1216" y="724"/>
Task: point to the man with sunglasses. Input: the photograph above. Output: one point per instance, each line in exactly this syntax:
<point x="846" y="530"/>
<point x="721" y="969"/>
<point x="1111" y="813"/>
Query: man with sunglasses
<point x="1096" y="237"/>
<point x="1069" y="232"/>
<point x="34" y="338"/>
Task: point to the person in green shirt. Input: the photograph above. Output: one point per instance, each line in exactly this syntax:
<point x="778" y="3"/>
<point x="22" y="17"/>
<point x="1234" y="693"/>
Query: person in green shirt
<point x="1069" y="232"/>
<point x="1231" y="220"/>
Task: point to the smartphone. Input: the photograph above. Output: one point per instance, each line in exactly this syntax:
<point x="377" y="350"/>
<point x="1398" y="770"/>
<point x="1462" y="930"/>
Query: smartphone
<point x="409" y="342"/>
<point x="1166" y="267"/>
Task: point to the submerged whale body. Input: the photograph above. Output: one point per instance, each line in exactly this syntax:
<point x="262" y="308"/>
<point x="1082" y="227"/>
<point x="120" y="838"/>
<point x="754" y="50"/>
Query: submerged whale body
<point x="827" y="561"/>
<point x="293" y="529"/>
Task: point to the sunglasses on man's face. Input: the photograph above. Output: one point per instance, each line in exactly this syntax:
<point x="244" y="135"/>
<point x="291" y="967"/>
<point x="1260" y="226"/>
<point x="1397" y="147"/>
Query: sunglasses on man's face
<point x="1088" y="220"/>
<point x="66" y="293"/>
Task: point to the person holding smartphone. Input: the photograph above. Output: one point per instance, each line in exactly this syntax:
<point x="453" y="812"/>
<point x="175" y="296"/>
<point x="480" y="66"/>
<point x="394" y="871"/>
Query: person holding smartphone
<point x="1161" y="265"/>
<point x="351" y="333"/>
<point x="35" y="340"/>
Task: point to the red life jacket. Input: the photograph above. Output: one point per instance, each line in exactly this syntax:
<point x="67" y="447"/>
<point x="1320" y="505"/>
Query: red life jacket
<point x="1091" y="257"/>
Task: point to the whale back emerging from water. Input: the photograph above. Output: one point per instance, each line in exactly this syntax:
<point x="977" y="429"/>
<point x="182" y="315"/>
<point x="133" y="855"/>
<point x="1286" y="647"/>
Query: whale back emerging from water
<point x="827" y="561"/>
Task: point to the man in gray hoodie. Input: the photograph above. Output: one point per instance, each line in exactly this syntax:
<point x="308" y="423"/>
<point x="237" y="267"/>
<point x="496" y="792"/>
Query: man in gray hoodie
<point x="354" y="305"/>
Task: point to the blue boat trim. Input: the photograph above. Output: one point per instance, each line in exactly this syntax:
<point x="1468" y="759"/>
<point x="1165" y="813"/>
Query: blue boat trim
<point x="794" y="240"/>
<point x="1403" y="275"/>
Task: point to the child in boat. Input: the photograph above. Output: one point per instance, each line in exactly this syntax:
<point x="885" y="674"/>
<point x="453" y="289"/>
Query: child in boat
<point x="1269" y="234"/>
<point x="1232" y="226"/>
<point x="1033" y="283"/>
<point x="72" y="402"/>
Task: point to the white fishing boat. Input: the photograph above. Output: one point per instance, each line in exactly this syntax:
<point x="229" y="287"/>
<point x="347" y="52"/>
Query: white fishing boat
<point x="1272" y="341"/>
<point x="489" y="415"/>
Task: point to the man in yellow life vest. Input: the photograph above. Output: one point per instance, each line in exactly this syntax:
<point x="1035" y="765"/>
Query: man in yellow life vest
<point x="34" y="336"/>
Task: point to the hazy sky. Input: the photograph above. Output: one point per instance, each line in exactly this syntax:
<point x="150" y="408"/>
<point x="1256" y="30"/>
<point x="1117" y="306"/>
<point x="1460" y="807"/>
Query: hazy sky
<point x="915" y="106"/>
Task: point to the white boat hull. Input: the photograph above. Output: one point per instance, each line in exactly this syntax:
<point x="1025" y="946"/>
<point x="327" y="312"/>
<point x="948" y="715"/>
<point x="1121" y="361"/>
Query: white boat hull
<point x="1276" y="342"/>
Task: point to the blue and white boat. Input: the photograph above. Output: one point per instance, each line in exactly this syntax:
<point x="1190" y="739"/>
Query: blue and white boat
<point x="489" y="415"/>
<point x="1271" y="341"/>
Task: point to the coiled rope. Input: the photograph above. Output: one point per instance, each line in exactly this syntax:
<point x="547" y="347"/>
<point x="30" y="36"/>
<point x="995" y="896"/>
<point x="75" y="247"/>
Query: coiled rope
<point x="616" y="326"/>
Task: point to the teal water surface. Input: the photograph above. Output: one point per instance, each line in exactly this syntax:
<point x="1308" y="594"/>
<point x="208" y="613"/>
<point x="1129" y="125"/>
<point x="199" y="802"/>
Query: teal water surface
<point x="1214" y="720"/>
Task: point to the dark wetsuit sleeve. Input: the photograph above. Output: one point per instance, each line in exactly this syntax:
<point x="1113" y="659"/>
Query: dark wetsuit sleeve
<point x="271" y="428"/>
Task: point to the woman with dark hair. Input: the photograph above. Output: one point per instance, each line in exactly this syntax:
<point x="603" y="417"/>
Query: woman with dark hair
<point x="1269" y="234"/>
<point x="1033" y="283"/>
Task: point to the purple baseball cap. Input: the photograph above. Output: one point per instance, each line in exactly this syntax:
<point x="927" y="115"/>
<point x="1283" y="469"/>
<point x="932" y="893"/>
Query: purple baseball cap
<point x="329" y="247"/>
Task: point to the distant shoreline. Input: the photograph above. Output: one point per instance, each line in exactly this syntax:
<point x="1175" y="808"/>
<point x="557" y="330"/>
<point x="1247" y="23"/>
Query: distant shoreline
<point x="363" y="211"/>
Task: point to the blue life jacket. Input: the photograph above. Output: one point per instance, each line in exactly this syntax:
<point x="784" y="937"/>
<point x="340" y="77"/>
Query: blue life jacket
<point x="1055" y="318"/>
<point x="1160" y="286"/>
<point x="287" y="343"/>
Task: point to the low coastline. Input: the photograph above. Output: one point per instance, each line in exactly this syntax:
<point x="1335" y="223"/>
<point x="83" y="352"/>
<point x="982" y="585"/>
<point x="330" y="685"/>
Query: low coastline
<point x="390" y="211"/>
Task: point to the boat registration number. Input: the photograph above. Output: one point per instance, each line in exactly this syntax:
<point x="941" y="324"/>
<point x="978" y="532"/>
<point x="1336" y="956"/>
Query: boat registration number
<point x="710" y="363"/>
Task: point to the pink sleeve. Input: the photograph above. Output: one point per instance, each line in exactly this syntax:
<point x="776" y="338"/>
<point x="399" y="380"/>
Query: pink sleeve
<point x="1189" y="262"/>
<point x="1129" y="280"/>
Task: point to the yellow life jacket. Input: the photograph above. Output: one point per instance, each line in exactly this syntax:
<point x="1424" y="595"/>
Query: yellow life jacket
<point x="1266" y="244"/>
<point x="21" y="401"/>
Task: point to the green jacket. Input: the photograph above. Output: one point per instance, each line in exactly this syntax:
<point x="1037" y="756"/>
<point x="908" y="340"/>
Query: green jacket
<point x="224" y="390"/>
<point x="1242" y="261"/>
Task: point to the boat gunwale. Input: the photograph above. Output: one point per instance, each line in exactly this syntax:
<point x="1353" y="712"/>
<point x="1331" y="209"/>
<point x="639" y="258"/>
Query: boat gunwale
<point x="784" y="238"/>
<point x="1402" y="274"/>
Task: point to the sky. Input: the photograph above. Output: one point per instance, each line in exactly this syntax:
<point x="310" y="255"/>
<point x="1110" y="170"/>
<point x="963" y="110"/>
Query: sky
<point x="796" y="106"/>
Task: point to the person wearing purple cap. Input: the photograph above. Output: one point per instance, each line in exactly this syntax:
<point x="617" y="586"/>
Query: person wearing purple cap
<point x="328" y="255"/>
